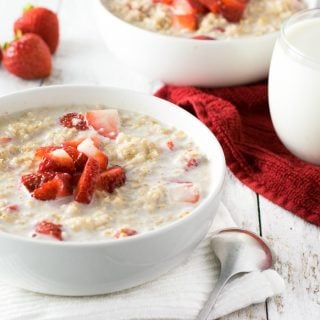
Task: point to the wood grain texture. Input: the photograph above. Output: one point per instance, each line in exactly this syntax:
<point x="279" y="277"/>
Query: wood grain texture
<point x="241" y="202"/>
<point x="297" y="248"/>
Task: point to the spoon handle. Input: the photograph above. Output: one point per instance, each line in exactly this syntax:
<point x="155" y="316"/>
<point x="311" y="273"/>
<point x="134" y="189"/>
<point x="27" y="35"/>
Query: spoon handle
<point x="205" y="312"/>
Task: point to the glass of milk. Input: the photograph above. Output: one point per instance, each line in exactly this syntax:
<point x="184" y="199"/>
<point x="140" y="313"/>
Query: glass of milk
<point x="294" y="85"/>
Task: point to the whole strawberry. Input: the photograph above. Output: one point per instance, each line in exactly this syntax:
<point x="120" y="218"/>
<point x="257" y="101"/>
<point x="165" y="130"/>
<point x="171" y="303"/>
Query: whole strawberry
<point x="42" y="22"/>
<point x="28" y="57"/>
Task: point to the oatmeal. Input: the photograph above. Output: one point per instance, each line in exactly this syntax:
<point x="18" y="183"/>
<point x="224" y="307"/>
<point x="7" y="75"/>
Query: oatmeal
<point x="80" y="173"/>
<point x="206" y="19"/>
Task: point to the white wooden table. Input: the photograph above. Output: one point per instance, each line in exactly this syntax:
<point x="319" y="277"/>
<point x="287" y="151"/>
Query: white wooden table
<point x="83" y="58"/>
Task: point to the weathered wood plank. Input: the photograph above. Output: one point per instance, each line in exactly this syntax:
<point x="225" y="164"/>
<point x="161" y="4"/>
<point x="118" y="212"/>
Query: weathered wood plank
<point x="242" y="204"/>
<point x="297" y="247"/>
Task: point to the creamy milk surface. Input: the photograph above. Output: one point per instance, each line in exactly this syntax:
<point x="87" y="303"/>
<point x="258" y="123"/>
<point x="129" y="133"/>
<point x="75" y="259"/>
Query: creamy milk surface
<point x="166" y="177"/>
<point x="304" y="36"/>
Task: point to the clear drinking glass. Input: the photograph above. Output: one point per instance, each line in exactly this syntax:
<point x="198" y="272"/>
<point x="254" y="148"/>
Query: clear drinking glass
<point x="294" y="85"/>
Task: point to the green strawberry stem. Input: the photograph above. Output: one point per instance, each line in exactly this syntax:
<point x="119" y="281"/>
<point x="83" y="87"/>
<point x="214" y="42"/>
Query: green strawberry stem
<point x="5" y="45"/>
<point x="27" y="8"/>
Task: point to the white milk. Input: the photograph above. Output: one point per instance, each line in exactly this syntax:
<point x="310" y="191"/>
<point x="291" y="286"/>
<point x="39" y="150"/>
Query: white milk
<point x="294" y="89"/>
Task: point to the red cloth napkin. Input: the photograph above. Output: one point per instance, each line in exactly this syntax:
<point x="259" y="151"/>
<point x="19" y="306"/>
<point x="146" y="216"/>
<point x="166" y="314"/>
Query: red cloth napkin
<point x="239" y="117"/>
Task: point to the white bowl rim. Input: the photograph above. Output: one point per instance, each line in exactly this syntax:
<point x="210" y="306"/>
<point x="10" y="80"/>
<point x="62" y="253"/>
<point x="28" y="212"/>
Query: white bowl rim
<point x="215" y="186"/>
<point x="186" y="39"/>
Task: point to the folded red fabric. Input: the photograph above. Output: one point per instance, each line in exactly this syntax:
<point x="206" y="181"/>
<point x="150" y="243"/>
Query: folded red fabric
<point x="239" y="117"/>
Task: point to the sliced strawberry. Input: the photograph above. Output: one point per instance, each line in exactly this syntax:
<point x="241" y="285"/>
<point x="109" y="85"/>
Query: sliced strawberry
<point x="59" y="186"/>
<point x="50" y="229"/>
<point x="57" y="161"/>
<point x="5" y="139"/>
<point x="185" y="7"/>
<point x="43" y="151"/>
<point x="212" y="5"/>
<point x="47" y="191"/>
<point x="12" y="207"/>
<point x="184" y="192"/>
<point x="35" y="180"/>
<point x="75" y="179"/>
<point x="112" y="178"/>
<point x="74" y="120"/>
<point x="72" y="152"/>
<point x="64" y="184"/>
<point x="72" y="143"/>
<point x="105" y="122"/>
<point x="191" y="163"/>
<point x="168" y="2"/>
<point x="187" y="21"/>
<point x="232" y="10"/>
<point x="96" y="141"/>
<point x="88" y="148"/>
<point x="88" y="182"/>
<point x="201" y="37"/>
<point x="125" y="232"/>
<point x="170" y="145"/>
<point x="79" y="159"/>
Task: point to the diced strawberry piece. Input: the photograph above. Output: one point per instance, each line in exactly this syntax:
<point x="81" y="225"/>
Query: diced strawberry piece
<point x="168" y="2"/>
<point x="75" y="179"/>
<point x="212" y="5"/>
<point x="96" y="141"/>
<point x="186" y="7"/>
<point x="72" y="152"/>
<point x="187" y="21"/>
<point x="220" y="29"/>
<point x="57" y="161"/>
<point x="81" y="162"/>
<point x="201" y="37"/>
<point x="47" y="191"/>
<point x="35" y="180"/>
<point x="43" y="151"/>
<point x="88" y="182"/>
<point x="5" y="139"/>
<point x="232" y="10"/>
<point x="170" y="145"/>
<point x="59" y="186"/>
<point x="74" y="120"/>
<point x="79" y="158"/>
<point x="105" y="122"/>
<point x="12" y="207"/>
<point x="64" y="183"/>
<point x="125" y="232"/>
<point x="88" y="148"/>
<point x="191" y="163"/>
<point x="72" y="143"/>
<point x="184" y="192"/>
<point x="50" y="229"/>
<point x="111" y="179"/>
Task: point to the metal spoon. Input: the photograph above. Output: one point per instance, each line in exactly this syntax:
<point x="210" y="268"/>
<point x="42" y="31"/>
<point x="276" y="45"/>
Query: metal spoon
<point x="239" y="251"/>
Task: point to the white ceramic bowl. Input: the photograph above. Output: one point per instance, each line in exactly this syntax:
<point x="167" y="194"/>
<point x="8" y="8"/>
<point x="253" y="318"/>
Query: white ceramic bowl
<point x="182" y="61"/>
<point x="89" y="268"/>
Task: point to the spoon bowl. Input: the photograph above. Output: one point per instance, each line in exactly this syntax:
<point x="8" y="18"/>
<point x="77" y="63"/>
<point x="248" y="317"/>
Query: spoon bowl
<point x="242" y="250"/>
<point x="239" y="251"/>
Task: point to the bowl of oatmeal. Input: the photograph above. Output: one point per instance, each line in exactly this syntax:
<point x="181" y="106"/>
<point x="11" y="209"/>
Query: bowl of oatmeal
<point x="195" y="42"/>
<point x="102" y="189"/>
